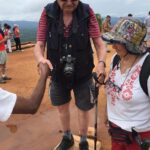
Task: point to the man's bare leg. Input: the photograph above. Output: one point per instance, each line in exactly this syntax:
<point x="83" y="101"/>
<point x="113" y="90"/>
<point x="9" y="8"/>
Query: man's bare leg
<point x="67" y="140"/>
<point x="64" y="114"/>
<point x="83" y="117"/>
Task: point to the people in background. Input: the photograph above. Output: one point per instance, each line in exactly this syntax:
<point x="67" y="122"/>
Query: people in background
<point x="106" y="25"/>
<point x="16" y="33"/>
<point x="130" y="15"/>
<point x="3" y="58"/>
<point x="1" y="31"/>
<point x="8" y="33"/>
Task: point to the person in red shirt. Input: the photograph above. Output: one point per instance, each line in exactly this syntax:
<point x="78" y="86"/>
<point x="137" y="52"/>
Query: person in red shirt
<point x="66" y="27"/>
<point x="3" y="58"/>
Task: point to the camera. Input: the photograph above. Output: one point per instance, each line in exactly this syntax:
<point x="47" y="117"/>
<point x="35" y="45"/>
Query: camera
<point x="68" y="65"/>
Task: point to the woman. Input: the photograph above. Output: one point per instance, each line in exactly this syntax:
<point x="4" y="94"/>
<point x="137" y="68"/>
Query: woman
<point x="128" y="106"/>
<point x="16" y="32"/>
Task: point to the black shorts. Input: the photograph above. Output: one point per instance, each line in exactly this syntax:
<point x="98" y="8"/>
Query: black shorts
<point x="84" y="94"/>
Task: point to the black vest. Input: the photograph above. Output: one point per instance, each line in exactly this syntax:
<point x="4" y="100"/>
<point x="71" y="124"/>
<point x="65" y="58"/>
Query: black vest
<point x="77" y="44"/>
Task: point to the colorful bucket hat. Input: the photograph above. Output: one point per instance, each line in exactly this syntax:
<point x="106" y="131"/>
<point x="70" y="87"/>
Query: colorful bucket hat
<point x="130" y="32"/>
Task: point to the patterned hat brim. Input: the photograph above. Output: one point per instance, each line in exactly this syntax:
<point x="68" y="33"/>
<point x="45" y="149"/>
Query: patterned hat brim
<point x="111" y="37"/>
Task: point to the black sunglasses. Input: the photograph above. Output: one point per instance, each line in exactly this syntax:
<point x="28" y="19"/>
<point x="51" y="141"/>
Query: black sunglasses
<point x="111" y="84"/>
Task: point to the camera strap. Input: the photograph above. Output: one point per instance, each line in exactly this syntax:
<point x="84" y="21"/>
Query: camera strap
<point x="66" y="45"/>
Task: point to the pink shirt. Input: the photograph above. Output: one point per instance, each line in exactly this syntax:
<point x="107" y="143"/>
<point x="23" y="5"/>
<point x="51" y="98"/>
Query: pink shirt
<point x="17" y="32"/>
<point x="93" y="27"/>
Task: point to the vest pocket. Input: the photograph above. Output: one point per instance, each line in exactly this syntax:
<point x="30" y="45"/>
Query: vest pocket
<point x="84" y="64"/>
<point x="82" y="40"/>
<point x="52" y="40"/>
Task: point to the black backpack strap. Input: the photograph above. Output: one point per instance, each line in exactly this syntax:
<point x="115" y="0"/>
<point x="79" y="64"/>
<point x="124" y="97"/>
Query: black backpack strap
<point x="144" y="74"/>
<point x="115" y="60"/>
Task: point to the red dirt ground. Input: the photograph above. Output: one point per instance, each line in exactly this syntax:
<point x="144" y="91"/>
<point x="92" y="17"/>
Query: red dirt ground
<point x="42" y="130"/>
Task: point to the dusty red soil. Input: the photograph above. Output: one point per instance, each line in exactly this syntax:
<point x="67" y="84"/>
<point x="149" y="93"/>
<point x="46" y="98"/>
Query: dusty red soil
<point x="42" y="130"/>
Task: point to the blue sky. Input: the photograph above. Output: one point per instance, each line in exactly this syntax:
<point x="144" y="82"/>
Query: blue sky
<point x="30" y="9"/>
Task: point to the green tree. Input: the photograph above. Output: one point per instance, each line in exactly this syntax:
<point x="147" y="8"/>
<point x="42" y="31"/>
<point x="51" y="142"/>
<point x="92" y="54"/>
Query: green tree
<point x="99" y="20"/>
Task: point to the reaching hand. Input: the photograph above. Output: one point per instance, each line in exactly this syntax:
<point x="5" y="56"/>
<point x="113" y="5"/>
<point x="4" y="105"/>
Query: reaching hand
<point x="45" y="61"/>
<point x="43" y="69"/>
<point x="101" y="73"/>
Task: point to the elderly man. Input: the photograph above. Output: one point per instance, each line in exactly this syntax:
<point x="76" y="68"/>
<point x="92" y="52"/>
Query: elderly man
<point x="66" y="27"/>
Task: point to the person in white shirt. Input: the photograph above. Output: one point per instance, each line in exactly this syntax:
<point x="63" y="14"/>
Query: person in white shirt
<point x="11" y="103"/>
<point x="8" y="33"/>
<point x="128" y="106"/>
